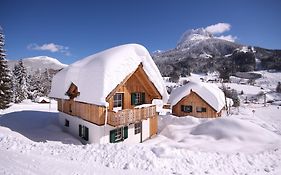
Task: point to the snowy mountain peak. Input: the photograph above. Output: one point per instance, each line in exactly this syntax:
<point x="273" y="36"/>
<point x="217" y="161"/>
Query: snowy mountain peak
<point x="40" y="63"/>
<point x="193" y="35"/>
<point x="45" y="60"/>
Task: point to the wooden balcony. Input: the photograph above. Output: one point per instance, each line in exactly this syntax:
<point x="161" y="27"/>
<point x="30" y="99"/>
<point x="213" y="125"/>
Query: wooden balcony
<point x="128" y="116"/>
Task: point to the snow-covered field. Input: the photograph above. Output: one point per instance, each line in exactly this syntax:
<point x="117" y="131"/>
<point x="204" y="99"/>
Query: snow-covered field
<point x="248" y="141"/>
<point x="31" y="142"/>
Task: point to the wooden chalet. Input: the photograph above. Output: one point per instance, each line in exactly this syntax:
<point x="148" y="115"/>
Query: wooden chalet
<point x="197" y="99"/>
<point x="129" y="112"/>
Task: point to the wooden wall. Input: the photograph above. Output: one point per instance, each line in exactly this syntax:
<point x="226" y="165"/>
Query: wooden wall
<point x="89" y="112"/>
<point x="138" y="82"/>
<point x="153" y="125"/>
<point x="195" y="101"/>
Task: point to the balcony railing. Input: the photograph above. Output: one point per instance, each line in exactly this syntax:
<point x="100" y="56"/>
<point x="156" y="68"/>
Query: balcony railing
<point x="127" y="116"/>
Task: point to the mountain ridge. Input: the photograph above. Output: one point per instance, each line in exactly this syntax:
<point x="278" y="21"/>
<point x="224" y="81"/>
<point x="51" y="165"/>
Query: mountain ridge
<point x="199" y="51"/>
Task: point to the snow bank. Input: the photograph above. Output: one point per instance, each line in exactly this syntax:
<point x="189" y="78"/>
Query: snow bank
<point x="227" y="134"/>
<point x="97" y="75"/>
<point x="209" y="92"/>
<point x="234" y="129"/>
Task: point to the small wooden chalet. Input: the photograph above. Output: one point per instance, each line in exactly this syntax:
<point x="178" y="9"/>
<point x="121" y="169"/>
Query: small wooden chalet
<point x="107" y="97"/>
<point x="198" y="99"/>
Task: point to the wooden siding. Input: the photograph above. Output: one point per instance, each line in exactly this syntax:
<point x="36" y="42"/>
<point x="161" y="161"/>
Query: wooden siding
<point x="137" y="82"/>
<point x="153" y="126"/>
<point x="89" y="112"/>
<point x="195" y="100"/>
<point x="127" y="116"/>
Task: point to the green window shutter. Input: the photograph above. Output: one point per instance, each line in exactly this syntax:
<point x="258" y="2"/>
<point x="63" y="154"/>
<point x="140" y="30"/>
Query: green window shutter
<point x="125" y="132"/>
<point x="80" y="130"/>
<point x="143" y="98"/>
<point x="133" y="98"/>
<point x="182" y="108"/>
<point x="86" y="136"/>
<point x="190" y="108"/>
<point x="112" y="134"/>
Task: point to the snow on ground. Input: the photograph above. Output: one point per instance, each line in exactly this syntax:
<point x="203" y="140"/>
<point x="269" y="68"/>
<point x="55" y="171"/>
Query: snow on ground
<point x="269" y="79"/>
<point x="31" y="142"/>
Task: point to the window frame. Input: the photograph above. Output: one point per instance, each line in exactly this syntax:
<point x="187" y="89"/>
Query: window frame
<point x="137" y="98"/>
<point x="84" y="132"/>
<point x="200" y="109"/>
<point x="118" y="100"/>
<point x="186" y="108"/>
<point x="138" y="127"/>
<point x="120" y="134"/>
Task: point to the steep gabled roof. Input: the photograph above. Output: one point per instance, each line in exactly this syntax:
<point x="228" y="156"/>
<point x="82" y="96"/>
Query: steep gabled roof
<point x="97" y="75"/>
<point x="209" y="92"/>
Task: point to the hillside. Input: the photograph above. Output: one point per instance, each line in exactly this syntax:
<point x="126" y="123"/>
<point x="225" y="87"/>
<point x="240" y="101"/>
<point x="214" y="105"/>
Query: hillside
<point x="199" y="51"/>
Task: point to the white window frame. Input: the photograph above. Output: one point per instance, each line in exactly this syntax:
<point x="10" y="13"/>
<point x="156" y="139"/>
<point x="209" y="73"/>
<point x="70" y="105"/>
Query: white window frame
<point x="138" y="128"/>
<point x="119" y="134"/>
<point x="119" y="101"/>
<point x="200" y="109"/>
<point x="138" y="97"/>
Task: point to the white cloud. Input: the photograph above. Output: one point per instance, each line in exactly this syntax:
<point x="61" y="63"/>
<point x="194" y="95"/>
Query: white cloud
<point x="227" y="38"/>
<point x="218" y="28"/>
<point x="50" y="47"/>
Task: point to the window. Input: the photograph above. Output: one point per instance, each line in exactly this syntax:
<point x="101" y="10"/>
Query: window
<point x="118" y="134"/>
<point x="186" y="108"/>
<point x="84" y="132"/>
<point x="66" y="123"/>
<point x="118" y="100"/>
<point x="137" y="98"/>
<point x="138" y="127"/>
<point x="201" y="109"/>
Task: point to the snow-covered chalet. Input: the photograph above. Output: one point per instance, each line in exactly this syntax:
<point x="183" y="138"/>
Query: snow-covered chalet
<point x="198" y="99"/>
<point x="107" y="97"/>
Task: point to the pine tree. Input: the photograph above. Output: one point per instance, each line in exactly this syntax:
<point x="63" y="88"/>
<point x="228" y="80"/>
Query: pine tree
<point x="20" y="85"/>
<point x="5" y="78"/>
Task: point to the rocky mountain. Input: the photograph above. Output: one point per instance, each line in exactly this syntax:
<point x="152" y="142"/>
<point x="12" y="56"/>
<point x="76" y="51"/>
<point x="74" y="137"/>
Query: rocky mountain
<point x="39" y="63"/>
<point x="199" y="51"/>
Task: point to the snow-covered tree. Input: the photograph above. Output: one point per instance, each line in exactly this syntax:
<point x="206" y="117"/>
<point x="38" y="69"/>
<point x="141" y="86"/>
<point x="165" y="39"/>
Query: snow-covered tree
<point x="5" y="78"/>
<point x="20" y="85"/>
<point x="278" y="88"/>
<point x="40" y="83"/>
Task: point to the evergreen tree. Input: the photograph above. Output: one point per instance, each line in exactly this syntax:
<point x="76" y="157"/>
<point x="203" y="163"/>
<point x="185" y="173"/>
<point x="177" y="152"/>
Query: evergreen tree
<point x="40" y="83"/>
<point x="5" y="78"/>
<point x="35" y="85"/>
<point x="20" y="85"/>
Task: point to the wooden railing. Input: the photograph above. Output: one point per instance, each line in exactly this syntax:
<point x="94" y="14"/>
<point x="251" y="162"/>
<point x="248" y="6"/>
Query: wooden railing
<point x="127" y="116"/>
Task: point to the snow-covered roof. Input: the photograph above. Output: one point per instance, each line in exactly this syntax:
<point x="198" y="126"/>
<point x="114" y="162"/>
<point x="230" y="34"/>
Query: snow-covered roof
<point x="97" y="75"/>
<point x="40" y="99"/>
<point x="207" y="91"/>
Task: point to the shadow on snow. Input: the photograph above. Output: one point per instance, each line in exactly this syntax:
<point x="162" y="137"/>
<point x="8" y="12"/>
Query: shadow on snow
<point x="37" y="126"/>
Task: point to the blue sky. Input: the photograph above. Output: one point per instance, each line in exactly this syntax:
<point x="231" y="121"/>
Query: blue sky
<point x="71" y="30"/>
